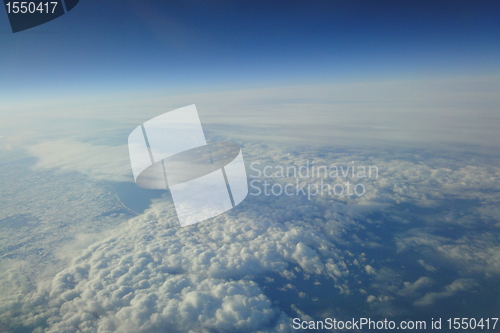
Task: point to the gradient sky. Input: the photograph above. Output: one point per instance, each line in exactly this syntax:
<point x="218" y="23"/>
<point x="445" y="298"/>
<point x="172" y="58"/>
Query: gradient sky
<point x="196" y="46"/>
<point x="409" y="86"/>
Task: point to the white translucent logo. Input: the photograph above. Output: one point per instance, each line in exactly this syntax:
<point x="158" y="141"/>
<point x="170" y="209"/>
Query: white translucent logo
<point x="205" y="180"/>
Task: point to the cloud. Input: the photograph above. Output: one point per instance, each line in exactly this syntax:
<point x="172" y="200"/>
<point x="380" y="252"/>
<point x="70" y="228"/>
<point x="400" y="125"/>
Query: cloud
<point x="102" y="162"/>
<point x="161" y="301"/>
<point x="450" y="290"/>
<point x="425" y="265"/>
<point x="152" y="275"/>
<point x="370" y="270"/>
<point x="303" y="316"/>
<point x="411" y="288"/>
<point x="475" y="253"/>
<point x="352" y="114"/>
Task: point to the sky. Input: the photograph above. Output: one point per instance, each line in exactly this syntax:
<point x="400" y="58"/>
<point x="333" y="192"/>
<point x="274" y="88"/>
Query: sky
<point x="409" y="86"/>
<point x="196" y="46"/>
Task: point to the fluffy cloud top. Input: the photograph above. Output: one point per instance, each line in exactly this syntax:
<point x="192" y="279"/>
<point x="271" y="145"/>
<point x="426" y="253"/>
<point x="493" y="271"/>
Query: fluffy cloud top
<point x="152" y="276"/>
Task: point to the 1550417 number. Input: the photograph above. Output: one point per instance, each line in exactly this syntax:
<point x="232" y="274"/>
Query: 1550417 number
<point x="30" y="7"/>
<point x="472" y="323"/>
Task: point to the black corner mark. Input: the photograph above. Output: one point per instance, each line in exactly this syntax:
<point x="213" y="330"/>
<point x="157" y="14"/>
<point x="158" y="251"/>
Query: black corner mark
<point x="28" y="14"/>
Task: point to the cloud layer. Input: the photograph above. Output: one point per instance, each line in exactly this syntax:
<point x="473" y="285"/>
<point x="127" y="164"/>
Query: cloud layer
<point x="153" y="276"/>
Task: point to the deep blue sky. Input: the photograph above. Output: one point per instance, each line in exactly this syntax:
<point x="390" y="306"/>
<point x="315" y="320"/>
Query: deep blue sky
<point x="193" y="46"/>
